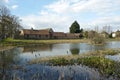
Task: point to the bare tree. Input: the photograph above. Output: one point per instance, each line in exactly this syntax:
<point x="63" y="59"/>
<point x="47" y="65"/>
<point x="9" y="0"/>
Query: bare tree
<point x="9" y="24"/>
<point x="107" y="29"/>
<point x="96" y="28"/>
<point x="14" y="25"/>
<point x="4" y="13"/>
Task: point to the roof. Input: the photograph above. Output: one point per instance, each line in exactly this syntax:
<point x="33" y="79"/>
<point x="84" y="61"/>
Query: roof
<point x="104" y="32"/>
<point x="32" y="31"/>
<point x="70" y="34"/>
<point x="58" y="34"/>
<point x="48" y="29"/>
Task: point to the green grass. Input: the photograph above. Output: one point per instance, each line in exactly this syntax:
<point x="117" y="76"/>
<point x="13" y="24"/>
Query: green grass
<point x="25" y="42"/>
<point x="18" y="42"/>
<point x="101" y="53"/>
<point x="113" y="39"/>
<point x="95" y="60"/>
<point x="105" y="66"/>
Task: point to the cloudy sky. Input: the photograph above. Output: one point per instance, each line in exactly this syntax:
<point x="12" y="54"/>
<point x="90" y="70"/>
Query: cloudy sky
<point x="60" y="14"/>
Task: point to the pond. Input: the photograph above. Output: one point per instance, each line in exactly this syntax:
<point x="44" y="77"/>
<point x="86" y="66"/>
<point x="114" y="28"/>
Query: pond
<point x="14" y="62"/>
<point x="32" y="52"/>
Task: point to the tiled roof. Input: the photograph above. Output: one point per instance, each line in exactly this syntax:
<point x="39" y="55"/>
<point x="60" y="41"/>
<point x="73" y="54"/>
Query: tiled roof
<point x="43" y="32"/>
<point x="58" y="34"/>
<point x="70" y="34"/>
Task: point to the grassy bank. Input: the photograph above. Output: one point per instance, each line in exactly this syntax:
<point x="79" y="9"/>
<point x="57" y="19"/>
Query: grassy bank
<point x="105" y="66"/>
<point x="95" y="60"/>
<point x="100" y="53"/>
<point x="25" y="42"/>
<point x="4" y="48"/>
<point x="18" y="42"/>
<point x="113" y="39"/>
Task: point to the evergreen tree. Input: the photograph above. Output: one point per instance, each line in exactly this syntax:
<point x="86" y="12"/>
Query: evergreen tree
<point x="75" y="27"/>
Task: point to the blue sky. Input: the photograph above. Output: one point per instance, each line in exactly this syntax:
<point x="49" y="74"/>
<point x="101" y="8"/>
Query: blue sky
<point x="60" y="14"/>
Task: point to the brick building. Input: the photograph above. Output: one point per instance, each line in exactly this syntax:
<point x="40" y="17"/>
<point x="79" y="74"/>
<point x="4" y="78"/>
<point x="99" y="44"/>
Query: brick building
<point x="47" y="34"/>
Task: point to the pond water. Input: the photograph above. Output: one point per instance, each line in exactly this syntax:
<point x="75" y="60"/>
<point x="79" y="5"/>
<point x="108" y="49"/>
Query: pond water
<point x="114" y="57"/>
<point x="32" y="52"/>
<point x="21" y="55"/>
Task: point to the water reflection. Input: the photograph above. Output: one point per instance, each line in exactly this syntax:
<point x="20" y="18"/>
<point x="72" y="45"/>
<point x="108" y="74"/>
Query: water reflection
<point x="20" y="55"/>
<point x="28" y="53"/>
<point x="6" y="60"/>
<point x="114" y="57"/>
<point x="44" y="72"/>
<point x="74" y="49"/>
<point x="33" y="52"/>
<point x="37" y="48"/>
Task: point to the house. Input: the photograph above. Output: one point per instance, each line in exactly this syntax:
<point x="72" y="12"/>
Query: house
<point x="104" y="34"/>
<point x="73" y="35"/>
<point x="36" y="34"/>
<point x="92" y="34"/>
<point x="47" y="34"/>
<point x="113" y="34"/>
<point x="70" y="36"/>
<point x="79" y="35"/>
<point x="59" y="35"/>
<point x="116" y="34"/>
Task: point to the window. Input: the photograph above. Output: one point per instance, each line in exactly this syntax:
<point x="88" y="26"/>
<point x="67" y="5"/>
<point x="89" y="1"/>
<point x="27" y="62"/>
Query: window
<point x="46" y="35"/>
<point x="27" y="36"/>
<point x="39" y="35"/>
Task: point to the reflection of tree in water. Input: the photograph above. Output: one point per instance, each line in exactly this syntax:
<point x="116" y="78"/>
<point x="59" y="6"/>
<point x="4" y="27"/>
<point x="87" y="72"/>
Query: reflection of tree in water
<point x="74" y="48"/>
<point x="6" y="60"/>
<point x="75" y="51"/>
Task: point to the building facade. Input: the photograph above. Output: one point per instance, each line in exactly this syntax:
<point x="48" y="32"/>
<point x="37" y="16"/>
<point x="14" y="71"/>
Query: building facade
<point x="116" y="34"/>
<point x="47" y="34"/>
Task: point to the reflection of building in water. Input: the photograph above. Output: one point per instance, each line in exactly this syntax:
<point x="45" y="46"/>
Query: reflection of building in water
<point x="37" y="48"/>
<point x="74" y="49"/>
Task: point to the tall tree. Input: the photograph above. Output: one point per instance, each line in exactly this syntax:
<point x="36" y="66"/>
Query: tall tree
<point x="75" y="27"/>
<point x="9" y="24"/>
<point x="4" y="13"/>
<point x="14" y="25"/>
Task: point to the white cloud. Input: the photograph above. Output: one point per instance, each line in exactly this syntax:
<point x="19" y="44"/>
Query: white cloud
<point x="58" y="7"/>
<point x="14" y="6"/>
<point x="80" y="6"/>
<point x="57" y="22"/>
<point x="6" y="1"/>
<point x="60" y="14"/>
<point x="107" y="20"/>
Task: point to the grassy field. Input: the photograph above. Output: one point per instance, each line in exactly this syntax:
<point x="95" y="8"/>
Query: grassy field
<point x="25" y="42"/>
<point x="113" y="39"/>
<point x="18" y="42"/>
